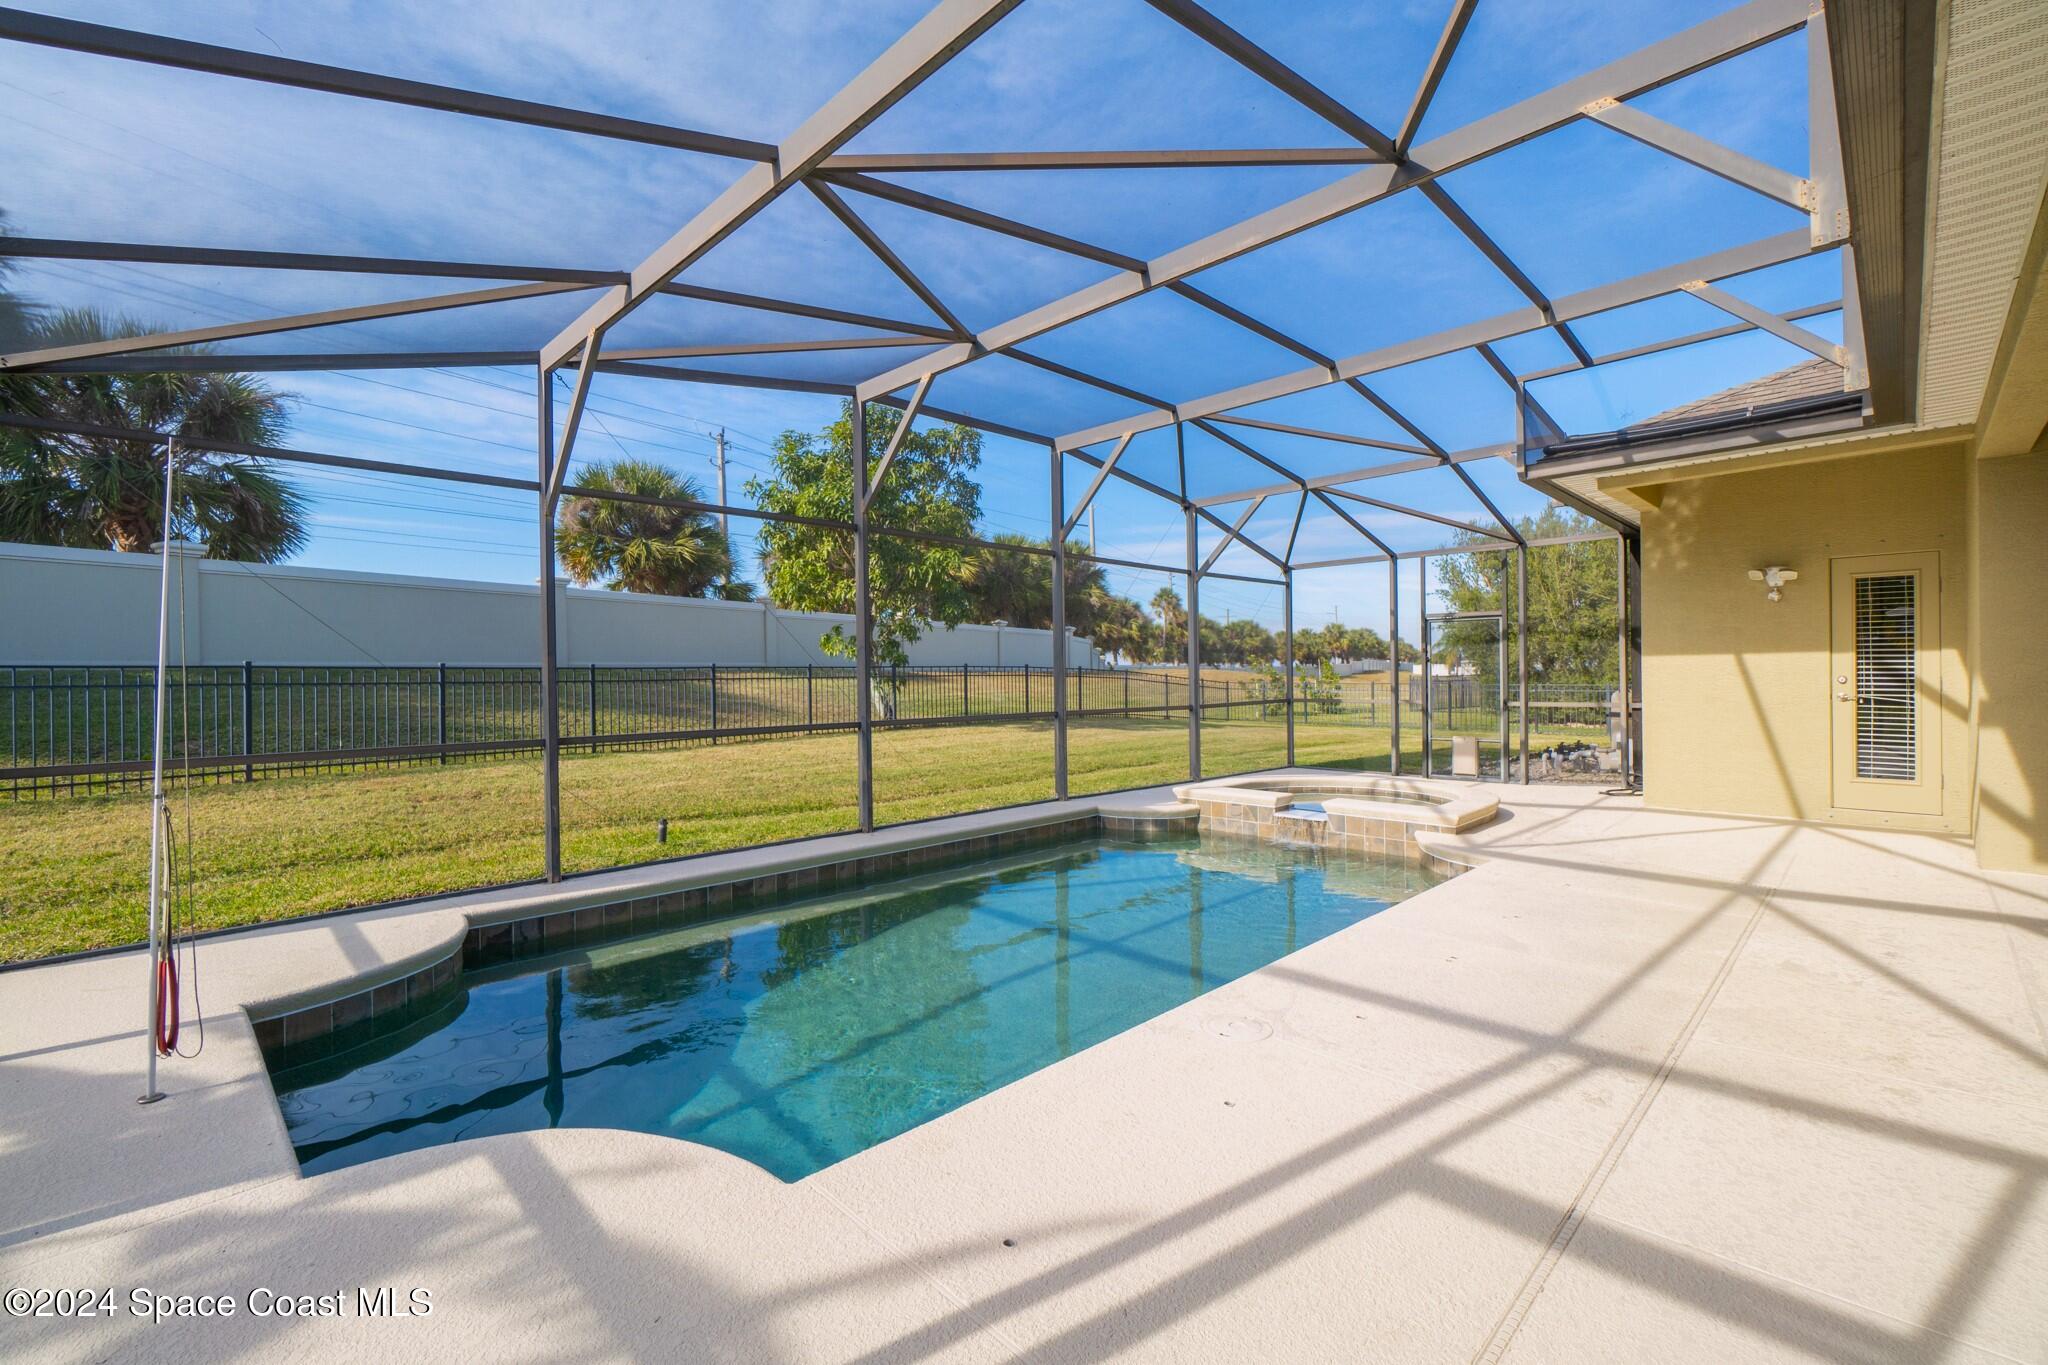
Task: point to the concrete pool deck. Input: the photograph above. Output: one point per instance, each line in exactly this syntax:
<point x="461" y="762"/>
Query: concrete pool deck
<point x="1639" y="1086"/>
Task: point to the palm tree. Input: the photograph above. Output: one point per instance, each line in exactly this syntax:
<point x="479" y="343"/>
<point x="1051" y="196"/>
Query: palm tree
<point x="17" y="314"/>
<point x="1010" y="584"/>
<point x="101" y="492"/>
<point x="642" y="547"/>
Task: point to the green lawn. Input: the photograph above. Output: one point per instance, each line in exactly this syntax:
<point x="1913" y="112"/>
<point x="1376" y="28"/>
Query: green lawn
<point x="76" y="868"/>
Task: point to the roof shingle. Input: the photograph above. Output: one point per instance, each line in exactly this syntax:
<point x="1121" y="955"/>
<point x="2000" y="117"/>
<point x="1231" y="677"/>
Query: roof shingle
<point x="1810" y="380"/>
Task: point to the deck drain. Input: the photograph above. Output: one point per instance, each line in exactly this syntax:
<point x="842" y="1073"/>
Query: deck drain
<point x="1241" y="1030"/>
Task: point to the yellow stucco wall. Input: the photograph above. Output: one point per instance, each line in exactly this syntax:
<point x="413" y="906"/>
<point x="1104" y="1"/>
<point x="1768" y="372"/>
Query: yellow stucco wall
<point x="1736" y="692"/>
<point x="2011" y="649"/>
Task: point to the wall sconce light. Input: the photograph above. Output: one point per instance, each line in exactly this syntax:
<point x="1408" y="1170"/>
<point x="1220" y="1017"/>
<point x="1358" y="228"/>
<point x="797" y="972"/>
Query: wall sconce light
<point x="1774" y="578"/>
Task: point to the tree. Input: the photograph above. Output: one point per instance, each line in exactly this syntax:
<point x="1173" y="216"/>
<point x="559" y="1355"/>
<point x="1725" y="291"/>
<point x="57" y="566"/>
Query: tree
<point x="1572" y="600"/>
<point x="1120" y="628"/>
<point x="17" y="314"/>
<point x="105" y="493"/>
<point x="912" y="584"/>
<point x="1242" y="642"/>
<point x="1363" y="642"/>
<point x="641" y="547"/>
<point x="1170" y="641"/>
<point x="1013" y="584"/>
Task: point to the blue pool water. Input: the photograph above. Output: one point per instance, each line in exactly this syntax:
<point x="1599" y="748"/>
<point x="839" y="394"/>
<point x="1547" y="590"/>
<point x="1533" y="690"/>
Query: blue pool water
<point x="799" y="1037"/>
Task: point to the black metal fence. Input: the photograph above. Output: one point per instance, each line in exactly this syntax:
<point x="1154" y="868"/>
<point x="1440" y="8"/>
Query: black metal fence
<point x="89" y="729"/>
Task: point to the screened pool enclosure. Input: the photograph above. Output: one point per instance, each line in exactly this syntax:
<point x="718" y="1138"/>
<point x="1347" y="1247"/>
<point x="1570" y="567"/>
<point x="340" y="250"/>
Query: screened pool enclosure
<point x="1299" y="296"/>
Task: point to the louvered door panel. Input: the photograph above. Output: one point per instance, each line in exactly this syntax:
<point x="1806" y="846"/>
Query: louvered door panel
<point x="1885" y="683"/>
<point x="1886" y="723"/>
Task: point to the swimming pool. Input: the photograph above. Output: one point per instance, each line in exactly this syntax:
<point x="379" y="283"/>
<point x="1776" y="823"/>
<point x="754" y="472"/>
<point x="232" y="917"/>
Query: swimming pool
<point x="798" y="1037"/>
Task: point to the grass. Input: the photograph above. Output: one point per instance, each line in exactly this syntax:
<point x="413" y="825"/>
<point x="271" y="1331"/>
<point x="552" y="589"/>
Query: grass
<point x="77" y="868"/>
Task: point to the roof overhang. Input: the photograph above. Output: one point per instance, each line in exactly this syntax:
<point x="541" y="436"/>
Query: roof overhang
<point x="1628" y="482"/>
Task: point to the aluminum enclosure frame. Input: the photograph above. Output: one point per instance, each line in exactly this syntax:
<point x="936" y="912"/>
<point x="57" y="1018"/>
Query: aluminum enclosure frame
<point x="1388" y="163"/>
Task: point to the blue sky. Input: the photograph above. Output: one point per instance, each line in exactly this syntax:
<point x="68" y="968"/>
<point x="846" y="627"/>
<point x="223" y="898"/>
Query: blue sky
<point x="110" y="150"/>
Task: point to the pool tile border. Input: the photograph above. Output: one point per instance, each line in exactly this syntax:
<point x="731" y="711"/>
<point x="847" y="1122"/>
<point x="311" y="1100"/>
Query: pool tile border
<point x="314" y="1032"/>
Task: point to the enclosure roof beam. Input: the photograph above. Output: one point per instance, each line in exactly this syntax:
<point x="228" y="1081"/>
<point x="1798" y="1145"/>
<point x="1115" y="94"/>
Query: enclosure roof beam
<point x="896" y="439"/>
<point x="284" y="454"/>
<point x="1040" y="362"/>
<point x="1439" y="519"/>
<point x="768" y="381"/>
<point x="904" y="162"/>
<point x="1386" y="550"/>
<point x="717" y="348"/>
<point x="1317" y="433"/>
<point x="762" y="303"/>
<point x="1251" y="324"/>
<point x="1693" y="338"/>
<point x="1361" y="475"/>
<point x="640" y="370"/>
<point x="1523" y="398"/>
<point x="1138" y="481"/>
<point x="982" y="218"/>
<point x="1443" y="457"/>
<point x="1492" y="510"/>
<point x="1394" y="415"/>
<point x="1433" y="74"/>
<point x="1094" y="486"/>
<point x="104" y="41"/>
<point x="1294" y="535"/>
<point x="430" y="473"/>
<point x="1282" y="470"/>
<point x="1765" y="319"/>
<point x="1275" y="73"/>
<point x="1735" y="261"/>
<point x="950" y="26"/>
<point x="1236" y="532"/>
<point x="1135" y="480"/>
<point x="206" y="362"/>
<point x="579" y="394"/>
<point x="882" y="252"/>
<point x="1732" y="166"/>
<point x="1342" y="562"/>
<point x="1501" y="261"/>
<point x="48" y="248"/>
<point x="934" y="411"/>
<point x="946" y="208"/>
<point x="1453" y="550"/>
<point x="297" y="322"/>
<point x="1736" y="31"/>
<point x="147" y="253"/>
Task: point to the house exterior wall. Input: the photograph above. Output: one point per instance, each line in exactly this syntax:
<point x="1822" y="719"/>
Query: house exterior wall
<point x="1737" y="698"/>
<point x="2010" y="511"/>
<point x="62" y="606"/>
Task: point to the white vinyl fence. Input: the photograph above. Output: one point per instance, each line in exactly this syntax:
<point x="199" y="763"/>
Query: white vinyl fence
<point x="97" y="607"/>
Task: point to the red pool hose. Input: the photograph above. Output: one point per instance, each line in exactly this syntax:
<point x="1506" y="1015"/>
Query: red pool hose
<point x="166" y="1005"/>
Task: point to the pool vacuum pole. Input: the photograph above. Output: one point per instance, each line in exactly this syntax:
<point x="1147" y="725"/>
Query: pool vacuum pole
<point x="150" y="1094"/>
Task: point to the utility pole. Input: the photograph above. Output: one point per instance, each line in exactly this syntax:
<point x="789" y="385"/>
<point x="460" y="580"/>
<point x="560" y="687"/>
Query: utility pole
<point x="724" y="525"/>
<point x="719" y="459"/>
